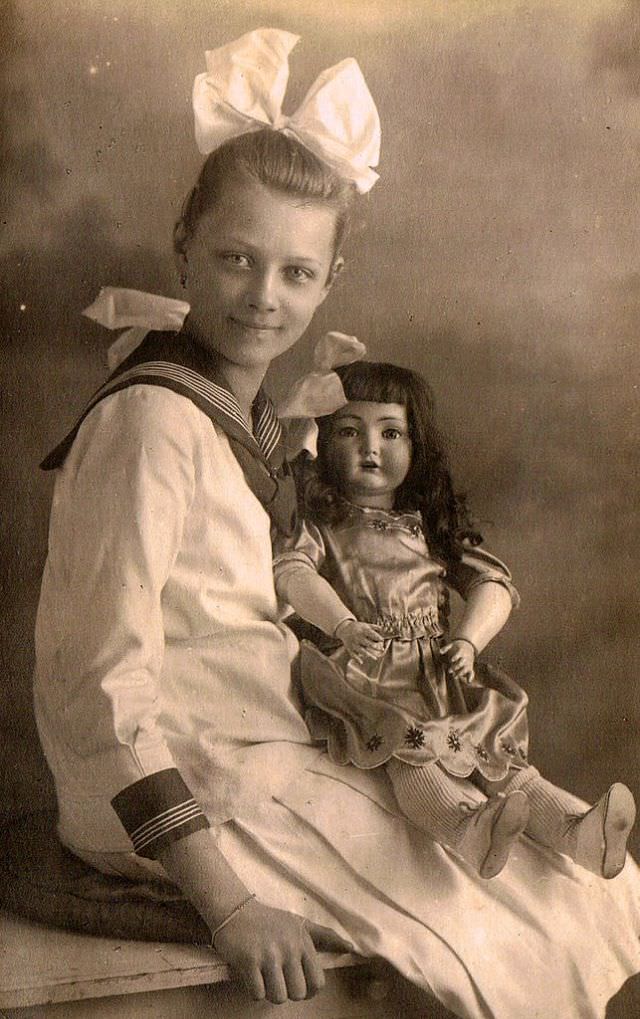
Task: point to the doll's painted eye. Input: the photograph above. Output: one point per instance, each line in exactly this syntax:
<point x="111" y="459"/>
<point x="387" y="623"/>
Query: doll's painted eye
<point x="347" y="432"/>
<point x="391" y="433"/>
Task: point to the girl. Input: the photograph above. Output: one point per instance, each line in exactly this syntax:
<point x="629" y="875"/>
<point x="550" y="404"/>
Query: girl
<point x="163" y="687"/>
<point x="162" y="684"/>
<point x="393" y="689"/>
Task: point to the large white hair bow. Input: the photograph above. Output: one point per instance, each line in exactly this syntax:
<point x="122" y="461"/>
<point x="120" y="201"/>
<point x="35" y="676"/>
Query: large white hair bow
<point x="243" y="90"/>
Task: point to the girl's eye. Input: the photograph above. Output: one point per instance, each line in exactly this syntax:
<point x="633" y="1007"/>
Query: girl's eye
<point x="391" y="433"/>
<point x="235" y="258"/>
<point x="298" y="274"/>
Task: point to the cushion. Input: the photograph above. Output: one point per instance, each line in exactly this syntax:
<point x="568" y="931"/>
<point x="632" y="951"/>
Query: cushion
<point x="44" y="882"/>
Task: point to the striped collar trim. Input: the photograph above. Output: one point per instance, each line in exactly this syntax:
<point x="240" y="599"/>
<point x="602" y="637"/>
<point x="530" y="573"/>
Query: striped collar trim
<point x="267" y="429"/>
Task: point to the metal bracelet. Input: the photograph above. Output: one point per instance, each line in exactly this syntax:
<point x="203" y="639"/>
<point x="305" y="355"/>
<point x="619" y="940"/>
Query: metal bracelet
<point x="228" y="919"/>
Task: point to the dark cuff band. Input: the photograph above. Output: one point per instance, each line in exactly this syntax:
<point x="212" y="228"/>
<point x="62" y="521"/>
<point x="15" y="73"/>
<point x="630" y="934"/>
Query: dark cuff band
<point x="158" y="810"/>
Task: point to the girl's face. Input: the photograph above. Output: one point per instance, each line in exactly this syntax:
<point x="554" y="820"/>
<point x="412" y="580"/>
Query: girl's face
<point x="257" y="266"/>
<point x="370" y="452"/>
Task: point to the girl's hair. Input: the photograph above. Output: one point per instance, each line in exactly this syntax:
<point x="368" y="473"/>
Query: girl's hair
<point x="428" y="486"/>
<point x="276" y="160"/>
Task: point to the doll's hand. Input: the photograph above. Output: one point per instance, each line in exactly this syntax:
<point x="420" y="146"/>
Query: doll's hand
<point x="274" y="952"/>
<point x="461" y="658"/>
<point x="360" y="639"/>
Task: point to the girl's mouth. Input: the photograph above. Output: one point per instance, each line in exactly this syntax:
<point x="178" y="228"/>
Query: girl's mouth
<point x="259" y="327"/>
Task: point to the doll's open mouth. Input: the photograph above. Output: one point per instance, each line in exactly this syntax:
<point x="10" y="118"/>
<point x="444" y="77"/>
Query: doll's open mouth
<point x="369" y="465"/>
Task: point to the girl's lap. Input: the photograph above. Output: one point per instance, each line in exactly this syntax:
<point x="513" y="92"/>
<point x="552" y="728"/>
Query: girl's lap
<point x="543" y="937"/>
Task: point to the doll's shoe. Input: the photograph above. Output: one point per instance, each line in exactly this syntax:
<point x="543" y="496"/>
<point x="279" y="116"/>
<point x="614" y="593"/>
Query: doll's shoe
<point x="603" y="831"/>
<point x="492" y="832"/>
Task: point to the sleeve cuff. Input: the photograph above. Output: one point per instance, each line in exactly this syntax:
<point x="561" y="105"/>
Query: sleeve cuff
<point x="158" y="810"/>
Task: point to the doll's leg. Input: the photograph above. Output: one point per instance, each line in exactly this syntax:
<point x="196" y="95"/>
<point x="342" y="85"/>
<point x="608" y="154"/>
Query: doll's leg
<point x="595" y="839"/>
<point x="453" y="812"/>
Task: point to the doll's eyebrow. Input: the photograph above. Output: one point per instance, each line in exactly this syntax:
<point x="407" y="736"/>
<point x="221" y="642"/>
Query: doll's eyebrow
<point x="355" y="417"/>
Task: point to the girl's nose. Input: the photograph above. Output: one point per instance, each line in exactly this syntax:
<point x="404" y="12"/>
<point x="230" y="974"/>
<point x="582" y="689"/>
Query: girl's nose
<point x="263" y="293"/>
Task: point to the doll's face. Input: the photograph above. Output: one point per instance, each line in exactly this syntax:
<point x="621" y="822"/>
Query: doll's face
<point x="257" y="266"/>
<point x="370" y="452"/>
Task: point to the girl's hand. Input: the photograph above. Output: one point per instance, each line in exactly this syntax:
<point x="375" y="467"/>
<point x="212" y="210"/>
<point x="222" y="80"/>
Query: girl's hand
<point x="461" y="658"/>
<point x="360" y="639"/>
<point x="274" y="952"/>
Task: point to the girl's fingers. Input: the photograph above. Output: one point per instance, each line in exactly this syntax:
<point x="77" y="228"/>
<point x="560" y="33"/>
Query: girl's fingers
<point x="296" y="981"/>
<point x="274" y="982"/>
<point x="255" y="984"/>
<point x="313" y="972"/>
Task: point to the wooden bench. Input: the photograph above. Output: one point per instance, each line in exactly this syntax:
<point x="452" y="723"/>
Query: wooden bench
<point x="51" y="973"/>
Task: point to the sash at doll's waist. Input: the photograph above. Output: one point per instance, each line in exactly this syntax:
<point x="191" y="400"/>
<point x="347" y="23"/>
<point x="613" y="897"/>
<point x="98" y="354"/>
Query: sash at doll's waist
<point x="409" y="626"/>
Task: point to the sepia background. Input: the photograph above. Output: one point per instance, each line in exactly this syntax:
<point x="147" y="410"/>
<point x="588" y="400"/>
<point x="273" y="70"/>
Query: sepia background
<point x="499" y="254"/>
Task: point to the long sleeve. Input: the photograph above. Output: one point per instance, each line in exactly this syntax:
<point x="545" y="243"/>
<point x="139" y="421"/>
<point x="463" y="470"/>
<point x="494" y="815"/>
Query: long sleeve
<point x="118" y="515"/>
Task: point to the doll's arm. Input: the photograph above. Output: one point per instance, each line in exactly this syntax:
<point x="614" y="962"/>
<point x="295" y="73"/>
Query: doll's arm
<point x="484" y="582"/>
<point x="313" y="598"/>
<point x="487" y="608"/>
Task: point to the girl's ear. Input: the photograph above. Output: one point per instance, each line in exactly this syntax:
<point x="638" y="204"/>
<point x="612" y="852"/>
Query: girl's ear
<point x="334" y="272"/>
<point x="181" y="263"/>
<point x="337" y="267"/>
<point x="180" y="260"/>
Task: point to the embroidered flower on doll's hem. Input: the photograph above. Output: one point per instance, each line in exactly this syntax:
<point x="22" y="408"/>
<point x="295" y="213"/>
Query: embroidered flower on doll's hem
<point x="374" y="743"/>
<point x="414" y="737"/>
<point x="481" y="752"/>
<point x="508" y="747"/>
<point x="453" y="741"/>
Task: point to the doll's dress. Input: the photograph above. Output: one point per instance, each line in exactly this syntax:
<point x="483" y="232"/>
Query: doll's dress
<point x="404" y="704"/>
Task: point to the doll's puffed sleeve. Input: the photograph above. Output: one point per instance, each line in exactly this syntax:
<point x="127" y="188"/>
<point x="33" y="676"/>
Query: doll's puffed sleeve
<point x="306" y="546"/>
<point x="298" y="583"/>
<point x="477" y="566"/>
<point x="119" y="510"/>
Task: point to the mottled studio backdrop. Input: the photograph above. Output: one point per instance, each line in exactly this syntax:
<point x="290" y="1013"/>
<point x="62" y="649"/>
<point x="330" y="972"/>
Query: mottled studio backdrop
<point x="499" y="254"/>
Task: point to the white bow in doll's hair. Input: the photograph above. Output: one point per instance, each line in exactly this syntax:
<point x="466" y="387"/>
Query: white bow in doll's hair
<point x="243" y="89"/>
<point x="317" y="394"/>
<point x="314" y="395"/>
